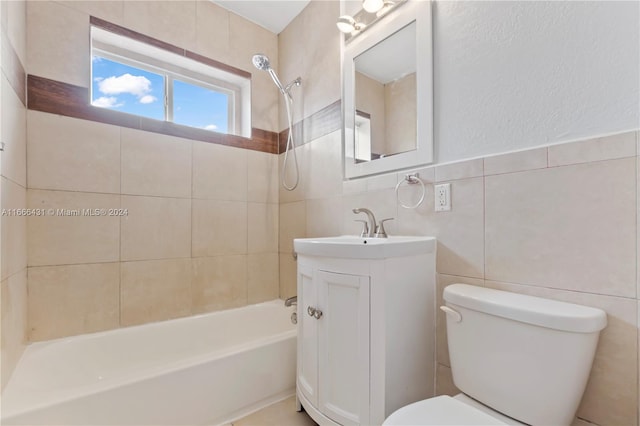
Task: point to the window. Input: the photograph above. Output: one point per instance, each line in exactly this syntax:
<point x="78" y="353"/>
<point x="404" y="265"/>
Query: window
<point x="127" y="88"/>
<point x="188" y="100"/>
<point x="137" y="78"/>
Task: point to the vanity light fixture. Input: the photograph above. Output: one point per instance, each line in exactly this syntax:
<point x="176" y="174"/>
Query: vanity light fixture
<point x="372" y="6"/>
<point x="372" y="12"/>
<point x="348" y="25"/>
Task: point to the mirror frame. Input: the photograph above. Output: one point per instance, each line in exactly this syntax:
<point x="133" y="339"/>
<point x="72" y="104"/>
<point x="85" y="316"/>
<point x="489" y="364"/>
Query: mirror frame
<point x="413" y="10"/>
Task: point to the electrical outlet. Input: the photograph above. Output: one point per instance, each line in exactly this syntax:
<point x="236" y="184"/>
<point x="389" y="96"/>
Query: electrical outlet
<point x="442" y="195"/>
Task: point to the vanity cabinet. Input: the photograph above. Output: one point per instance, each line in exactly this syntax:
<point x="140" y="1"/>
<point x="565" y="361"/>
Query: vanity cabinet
<point x="366" y="335"/>
<point x="333" y="345"/>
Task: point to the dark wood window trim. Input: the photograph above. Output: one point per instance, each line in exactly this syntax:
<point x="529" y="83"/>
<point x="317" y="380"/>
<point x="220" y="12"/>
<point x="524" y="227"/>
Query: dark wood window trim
<point x="56" y="97"/>
<point x="318" y="124"/>
<point x="66" y="99"/>
<point x="61" y="98"/>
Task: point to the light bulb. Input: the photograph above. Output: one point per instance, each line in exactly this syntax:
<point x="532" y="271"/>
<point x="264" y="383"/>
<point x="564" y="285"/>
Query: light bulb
<point x="346" y="24"/>
<point x="372" y="6"/>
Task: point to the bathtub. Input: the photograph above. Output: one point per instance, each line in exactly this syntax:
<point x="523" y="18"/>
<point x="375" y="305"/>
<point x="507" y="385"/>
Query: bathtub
<point x="203" y="370"/>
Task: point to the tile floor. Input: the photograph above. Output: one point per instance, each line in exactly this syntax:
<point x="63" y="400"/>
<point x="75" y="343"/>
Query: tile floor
<point x="282" y="413"/>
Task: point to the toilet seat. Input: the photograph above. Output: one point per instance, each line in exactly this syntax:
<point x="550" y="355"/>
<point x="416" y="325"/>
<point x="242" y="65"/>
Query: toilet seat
<point x="441" y="410"/>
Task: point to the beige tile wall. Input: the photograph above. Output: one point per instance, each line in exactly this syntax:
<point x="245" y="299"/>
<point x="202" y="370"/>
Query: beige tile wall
<point x="201" y="231"/>
<point x="58" y="40"/>
<point x="197" y="236"/>
<point x="92" y="301"/>
<point x="13" y="192"/>
<point x="309" y="47"/>
<point x="559" y="222"/>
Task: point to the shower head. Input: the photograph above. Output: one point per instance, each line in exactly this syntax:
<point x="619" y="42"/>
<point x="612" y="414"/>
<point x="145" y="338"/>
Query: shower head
<point x="261" y="62"/>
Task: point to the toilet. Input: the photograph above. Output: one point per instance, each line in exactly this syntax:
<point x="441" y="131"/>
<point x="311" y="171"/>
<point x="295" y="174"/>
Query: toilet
<point x="518" y="360"/>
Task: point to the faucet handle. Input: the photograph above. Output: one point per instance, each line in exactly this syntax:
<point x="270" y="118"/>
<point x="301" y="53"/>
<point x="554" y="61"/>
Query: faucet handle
<point x="380" y="232"/>
<point x="365" y="228"/>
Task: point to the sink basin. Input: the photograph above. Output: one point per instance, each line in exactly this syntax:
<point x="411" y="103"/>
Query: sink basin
<point x="349" y="246"/>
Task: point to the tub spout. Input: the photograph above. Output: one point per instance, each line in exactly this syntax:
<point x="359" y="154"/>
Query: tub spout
<point x="291" y="301"/>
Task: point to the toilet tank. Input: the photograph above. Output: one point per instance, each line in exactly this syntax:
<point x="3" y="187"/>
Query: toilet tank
<point x="524" y="356"/>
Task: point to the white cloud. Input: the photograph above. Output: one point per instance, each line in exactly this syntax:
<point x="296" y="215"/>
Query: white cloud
<point x="126" y="83"/>
<point x="148" y="99"/>
<point x="211" y="127"/>
<point x="107" y="102"/>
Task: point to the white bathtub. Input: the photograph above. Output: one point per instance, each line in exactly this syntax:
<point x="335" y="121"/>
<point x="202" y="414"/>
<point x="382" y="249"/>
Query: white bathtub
<point x="208" y="369"/>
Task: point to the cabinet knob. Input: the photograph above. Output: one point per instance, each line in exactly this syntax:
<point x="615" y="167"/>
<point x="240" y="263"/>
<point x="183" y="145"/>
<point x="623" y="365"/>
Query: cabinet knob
<point x="313" y="312"/>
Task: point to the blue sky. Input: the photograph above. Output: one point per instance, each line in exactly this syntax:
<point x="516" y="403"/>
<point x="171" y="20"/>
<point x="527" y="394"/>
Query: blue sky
<point x="135" y="91"/>
<point x="198" y="107"/>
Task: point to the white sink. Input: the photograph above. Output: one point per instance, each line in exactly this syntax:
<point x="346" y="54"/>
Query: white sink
<point x="349" y="246"/>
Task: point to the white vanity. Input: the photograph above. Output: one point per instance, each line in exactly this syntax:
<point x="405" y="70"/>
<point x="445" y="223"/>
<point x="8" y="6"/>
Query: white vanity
<point x="366" y="326"/>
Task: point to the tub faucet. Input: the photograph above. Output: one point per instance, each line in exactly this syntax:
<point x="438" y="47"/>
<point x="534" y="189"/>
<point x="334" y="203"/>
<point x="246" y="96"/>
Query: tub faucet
<point x="291" y="301"/>
<point x="372" y="220"/>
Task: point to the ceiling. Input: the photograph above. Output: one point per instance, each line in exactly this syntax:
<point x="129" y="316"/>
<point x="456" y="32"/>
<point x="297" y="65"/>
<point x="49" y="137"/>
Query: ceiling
<point x="273" y="15"/>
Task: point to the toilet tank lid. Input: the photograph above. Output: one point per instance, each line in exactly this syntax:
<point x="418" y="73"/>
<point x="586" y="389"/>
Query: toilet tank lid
<point x="528" y="309"/>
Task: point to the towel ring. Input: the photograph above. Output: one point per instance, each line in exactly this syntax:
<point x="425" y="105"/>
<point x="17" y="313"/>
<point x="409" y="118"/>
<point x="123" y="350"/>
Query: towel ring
<point x="411" y="179"/>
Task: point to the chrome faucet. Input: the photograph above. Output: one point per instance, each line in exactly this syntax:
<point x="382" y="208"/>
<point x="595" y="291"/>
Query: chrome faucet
<point x="292" y="301"/>
<point x="372" y="220"/>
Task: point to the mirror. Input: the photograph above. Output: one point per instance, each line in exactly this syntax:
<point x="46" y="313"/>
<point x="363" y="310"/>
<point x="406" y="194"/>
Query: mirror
<point x="385" y="91"/>
<point x="388" y="94"/>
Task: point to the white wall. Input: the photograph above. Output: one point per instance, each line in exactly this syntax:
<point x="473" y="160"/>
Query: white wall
<point x="512" y="75"/>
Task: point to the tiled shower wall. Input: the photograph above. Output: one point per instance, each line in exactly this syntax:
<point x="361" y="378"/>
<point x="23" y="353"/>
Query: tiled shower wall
<point x="200" y="232"/>
<point x="13" y="183"/>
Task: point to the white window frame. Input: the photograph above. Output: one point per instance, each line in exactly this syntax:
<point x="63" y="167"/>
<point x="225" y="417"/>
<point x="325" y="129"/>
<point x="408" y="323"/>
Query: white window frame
<point x="172" y="67"/>
<point x="232" y="114"/>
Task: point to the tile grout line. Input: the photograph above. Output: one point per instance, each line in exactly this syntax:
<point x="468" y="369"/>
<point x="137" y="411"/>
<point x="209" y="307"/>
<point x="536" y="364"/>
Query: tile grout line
<point x="246" y="189"/>
<point x="191" y="213"/>
<point x="484" y="230"/>
<point x="120" y="234"/>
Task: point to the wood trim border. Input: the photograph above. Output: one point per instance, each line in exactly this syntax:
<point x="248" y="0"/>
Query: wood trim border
<point x="13" y="69"/>
<point x="318" y="124"/>
<point x="56" y="97"/>
<point x="117" y="29"/>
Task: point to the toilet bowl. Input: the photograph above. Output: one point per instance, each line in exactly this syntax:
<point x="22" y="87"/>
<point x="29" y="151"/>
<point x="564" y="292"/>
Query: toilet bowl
<point x="445" y="410"/>
<point x="508" y="350"/>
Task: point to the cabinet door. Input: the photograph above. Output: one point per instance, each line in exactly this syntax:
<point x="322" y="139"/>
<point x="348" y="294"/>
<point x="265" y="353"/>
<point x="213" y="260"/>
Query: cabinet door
<point x="343" y="340"/>
<point x="307" y="336"/>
